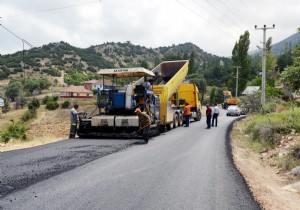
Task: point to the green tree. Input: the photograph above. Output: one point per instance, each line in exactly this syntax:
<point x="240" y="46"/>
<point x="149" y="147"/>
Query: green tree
<point x="192" y="67"/>
<point x="240" y="58"/>
<point x="219" y="96"/>
<point x="270" y="65"/>
<point x="291" y="75"/>
<point x="75" y="78"/>
<point x="200" y="82"/>
<point x="212" y="96"/>
<point x="283" y="61"/>
<point x="269" y="44"/>
<point x="13" y="90"/>
<point x="31" y="84"/>
<point x="144" y="64"/>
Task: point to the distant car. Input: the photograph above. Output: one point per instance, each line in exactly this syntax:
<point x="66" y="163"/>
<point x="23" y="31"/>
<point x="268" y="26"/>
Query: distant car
<point x="233" y="110"/>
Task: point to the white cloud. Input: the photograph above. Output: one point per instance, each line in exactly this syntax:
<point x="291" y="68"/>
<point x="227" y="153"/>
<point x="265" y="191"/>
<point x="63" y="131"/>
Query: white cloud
<point x="213" y="25"/>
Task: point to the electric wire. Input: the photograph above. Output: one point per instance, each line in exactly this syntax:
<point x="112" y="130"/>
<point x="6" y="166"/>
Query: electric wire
<point x="221" y="20"/>
<point x="50" y="9"/>
<point x="223" y="14"/>
<point x="226" y="17"/>
<point x="200" y="16"/>
<point x="240" y="17"/>
<point x="243" y="26"/>
<point x="254" y="14"/>
<point x="23" y="40"/>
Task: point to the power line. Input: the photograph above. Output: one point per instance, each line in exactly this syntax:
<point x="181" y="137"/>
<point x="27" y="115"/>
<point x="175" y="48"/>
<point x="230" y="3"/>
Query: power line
<point x="197" y="14"/>
<point x="23" y="40"/>
<point x="254" y="14"/>
<point x="216" y="17"/>
<point x="52" y="9"/>
<point x="223" y="14"/>
<point x="240" y="17"/>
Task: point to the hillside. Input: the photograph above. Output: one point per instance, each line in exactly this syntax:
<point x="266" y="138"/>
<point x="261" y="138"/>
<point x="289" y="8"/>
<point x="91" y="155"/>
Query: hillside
<point x="56" y="59"/>
<point x="290" y="42"/>
<point x="280" y="47"/>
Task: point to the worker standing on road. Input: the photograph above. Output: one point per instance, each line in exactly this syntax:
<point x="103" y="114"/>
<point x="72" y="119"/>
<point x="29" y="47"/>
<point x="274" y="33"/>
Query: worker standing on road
<point x="145" y="122"/>
<point x="187" y="114"/>
<point x="73" y="120"/>
<point x="216" y="112"/>
<point x="208" y="116"/>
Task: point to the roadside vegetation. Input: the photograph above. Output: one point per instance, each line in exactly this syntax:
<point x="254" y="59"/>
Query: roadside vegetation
<point x="265" y="133"/>
<point x="273" y="130"/>
<point x="18" y="127"/>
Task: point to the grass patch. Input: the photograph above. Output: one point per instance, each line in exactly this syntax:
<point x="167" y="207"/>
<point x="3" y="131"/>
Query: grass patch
<point x="264" y="132"/>
<point x="288" y="162"/>
<point x="15" y="131"/>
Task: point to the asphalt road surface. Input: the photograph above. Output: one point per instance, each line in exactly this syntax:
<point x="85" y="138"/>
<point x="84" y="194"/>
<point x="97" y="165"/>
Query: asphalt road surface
<point x="185" y="168"/>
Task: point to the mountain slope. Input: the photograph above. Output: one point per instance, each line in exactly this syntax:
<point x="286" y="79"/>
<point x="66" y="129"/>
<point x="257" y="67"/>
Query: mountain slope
<point x="280" y="47"/>
<point x="54" y="57"/>
<point x="291" y="41"/>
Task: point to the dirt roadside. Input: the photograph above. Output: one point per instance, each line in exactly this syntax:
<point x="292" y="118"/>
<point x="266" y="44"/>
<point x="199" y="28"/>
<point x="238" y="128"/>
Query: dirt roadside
<point x="48" y="127"/>
<point x="266" y="182"/>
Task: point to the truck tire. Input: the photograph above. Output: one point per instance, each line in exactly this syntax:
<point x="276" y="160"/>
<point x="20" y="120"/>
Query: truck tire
<point x="176" y="121"/>
<point x="198" y="118"/>
<point x="180" y="119"/>
<point x="170" y="126"/>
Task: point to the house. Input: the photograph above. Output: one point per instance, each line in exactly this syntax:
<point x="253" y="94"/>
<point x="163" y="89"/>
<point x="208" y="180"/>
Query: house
<point x="98" y="84"/>
<point x="250" y="89"/>
<point x="76" y="92"/>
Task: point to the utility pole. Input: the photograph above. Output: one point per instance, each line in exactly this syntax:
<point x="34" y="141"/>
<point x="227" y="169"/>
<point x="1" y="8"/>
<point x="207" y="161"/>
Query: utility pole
<point x="237" y="80"/>
<point x="264" y="57"/>
<point x="24" y="42"/>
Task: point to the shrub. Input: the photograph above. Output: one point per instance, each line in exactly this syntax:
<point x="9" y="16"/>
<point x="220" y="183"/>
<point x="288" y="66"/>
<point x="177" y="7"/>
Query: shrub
<point x="267" y="128"/>
<point x="251" y="102"/>
<point x="45" y="99"/>
<point x="270" y="107"/>
<point x="15" y="131"/>
<point x="287" y="162"/>
<point x="55" y="98"/>
<point x="34" y="104"/>
<point x="52" y="105"/>
<point x="53" y="72"/>
<point x="296" y="151"/>
<point x="28" y="115"/>
<point x="65" y="104"/>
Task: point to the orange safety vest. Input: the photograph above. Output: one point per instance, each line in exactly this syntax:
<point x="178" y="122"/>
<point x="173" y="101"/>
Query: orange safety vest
<point x="187" y="110"/>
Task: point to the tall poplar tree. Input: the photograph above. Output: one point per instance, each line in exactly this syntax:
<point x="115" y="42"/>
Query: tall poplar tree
<point x="240" y="58"/>
<point x="192" y="67"/>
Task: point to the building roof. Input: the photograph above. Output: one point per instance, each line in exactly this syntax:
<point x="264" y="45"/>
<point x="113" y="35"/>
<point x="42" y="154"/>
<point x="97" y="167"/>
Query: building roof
<point x="93" y="81"/>
<point x="76" y="89"/>
<point x="250" y="89"/>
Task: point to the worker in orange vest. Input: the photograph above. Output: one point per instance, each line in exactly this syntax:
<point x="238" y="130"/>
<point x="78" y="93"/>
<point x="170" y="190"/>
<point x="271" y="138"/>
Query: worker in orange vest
<point x="187" y="114"/>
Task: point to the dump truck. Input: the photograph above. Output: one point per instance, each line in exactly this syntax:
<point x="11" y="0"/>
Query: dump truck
<point x="229" y="100"/>
<point x="188" y="93"/>
<point x="154" y="93"/>
<point x="169" y="75"/>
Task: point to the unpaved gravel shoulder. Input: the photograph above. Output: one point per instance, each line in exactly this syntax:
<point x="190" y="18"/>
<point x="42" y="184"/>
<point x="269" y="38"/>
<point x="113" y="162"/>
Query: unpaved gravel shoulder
<point x="264" y="181"/>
